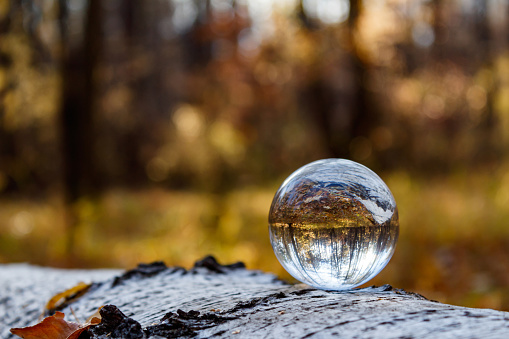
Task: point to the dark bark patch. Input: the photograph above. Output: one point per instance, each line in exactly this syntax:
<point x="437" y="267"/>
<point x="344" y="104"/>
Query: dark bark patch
<point x="413" y="294"/>
<point x="257" y="301"/>
<point x="386" y="288"/>
<point x="472" y="315"/>
<point x="142" y="271"/>
<point x="210" y="263"/>
<point x="115" y="324"/>
<point x="181" y="324"/>
<point x="185" y="324"/>
<point x="304" y="291"/>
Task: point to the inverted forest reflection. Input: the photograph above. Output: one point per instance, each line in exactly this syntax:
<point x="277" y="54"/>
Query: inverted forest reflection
<point x="321" y="255"/>
<point x="159" y="130"/>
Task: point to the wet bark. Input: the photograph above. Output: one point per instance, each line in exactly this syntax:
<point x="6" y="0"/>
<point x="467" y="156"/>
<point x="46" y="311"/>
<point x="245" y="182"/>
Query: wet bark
<point x="212" y="300"/>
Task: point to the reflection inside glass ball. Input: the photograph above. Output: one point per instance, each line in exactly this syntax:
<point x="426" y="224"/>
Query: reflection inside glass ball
<point x="333" y="224"/>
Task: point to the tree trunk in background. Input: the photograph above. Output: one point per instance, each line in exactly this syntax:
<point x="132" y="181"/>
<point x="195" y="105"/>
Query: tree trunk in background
<point x="135" y="19"/>
<point x="487" y="127"/>
<point x="145" y="77"/>
<point x="5" y="138"/>
<point x="197" y="41"/>
<point x="79" y="60"/>
<point x="342" y="113"/>
<point x="439" y="49"/>
<point x="363" y="115"/>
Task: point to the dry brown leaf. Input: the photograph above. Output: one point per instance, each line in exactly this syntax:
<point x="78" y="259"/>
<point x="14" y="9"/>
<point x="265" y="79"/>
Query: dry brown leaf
<point x="54" y="327"/>
<point x="67" y="295"/>
<point x="84" y="327"/>
<point x="95" y="317"/>
<point x="93" y="320"/>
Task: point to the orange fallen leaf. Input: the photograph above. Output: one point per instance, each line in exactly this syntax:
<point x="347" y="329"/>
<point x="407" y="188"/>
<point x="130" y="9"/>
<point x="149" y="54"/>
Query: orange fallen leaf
<point x="95" y="317"/>
<point x="76" y="334"/>
<point x="55" y="327"/>
<point x="67" y="295"/>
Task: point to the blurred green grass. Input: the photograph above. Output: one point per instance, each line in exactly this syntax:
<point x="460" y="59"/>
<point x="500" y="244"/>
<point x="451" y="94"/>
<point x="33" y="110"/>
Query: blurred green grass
<point x="453" y="246"/>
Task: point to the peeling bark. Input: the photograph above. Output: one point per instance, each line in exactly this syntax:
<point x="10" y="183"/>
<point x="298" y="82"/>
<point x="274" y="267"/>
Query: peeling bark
<point x="212" y="300"/>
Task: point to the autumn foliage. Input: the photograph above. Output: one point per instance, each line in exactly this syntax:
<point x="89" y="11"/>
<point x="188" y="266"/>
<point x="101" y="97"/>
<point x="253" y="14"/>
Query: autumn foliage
<point x="134" y="131"/>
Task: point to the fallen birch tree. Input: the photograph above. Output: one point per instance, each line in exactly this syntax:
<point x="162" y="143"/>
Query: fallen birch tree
<point x="223" y="301"/>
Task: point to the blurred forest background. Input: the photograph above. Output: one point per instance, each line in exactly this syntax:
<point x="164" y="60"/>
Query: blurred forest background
<point x="134" y="131"/>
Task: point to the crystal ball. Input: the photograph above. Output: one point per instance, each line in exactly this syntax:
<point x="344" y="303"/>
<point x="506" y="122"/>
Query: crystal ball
<point x="333" y="224"/>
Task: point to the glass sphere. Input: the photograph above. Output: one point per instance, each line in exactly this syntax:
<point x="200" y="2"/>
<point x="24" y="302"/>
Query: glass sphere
<point x="333" y="224"/>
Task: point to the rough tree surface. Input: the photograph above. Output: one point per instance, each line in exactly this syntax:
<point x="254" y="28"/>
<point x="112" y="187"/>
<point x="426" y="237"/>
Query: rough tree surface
<point x="212" y="300"/>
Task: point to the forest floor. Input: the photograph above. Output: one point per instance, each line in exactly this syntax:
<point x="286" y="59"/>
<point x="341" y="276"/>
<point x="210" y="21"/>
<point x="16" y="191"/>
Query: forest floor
<point x="453" y="246"/>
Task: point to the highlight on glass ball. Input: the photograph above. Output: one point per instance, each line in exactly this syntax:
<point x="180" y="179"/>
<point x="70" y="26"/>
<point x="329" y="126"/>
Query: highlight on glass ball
<point x="333" y="224"/>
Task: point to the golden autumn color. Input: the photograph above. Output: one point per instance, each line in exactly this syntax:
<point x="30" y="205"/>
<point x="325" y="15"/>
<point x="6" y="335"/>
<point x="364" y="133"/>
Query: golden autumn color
<point x="134" y="131"/>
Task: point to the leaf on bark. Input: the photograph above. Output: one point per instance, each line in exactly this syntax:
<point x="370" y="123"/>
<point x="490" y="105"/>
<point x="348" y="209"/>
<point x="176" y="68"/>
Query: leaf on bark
<point x="67" y="296"/>
<point x="55" y="327"/>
